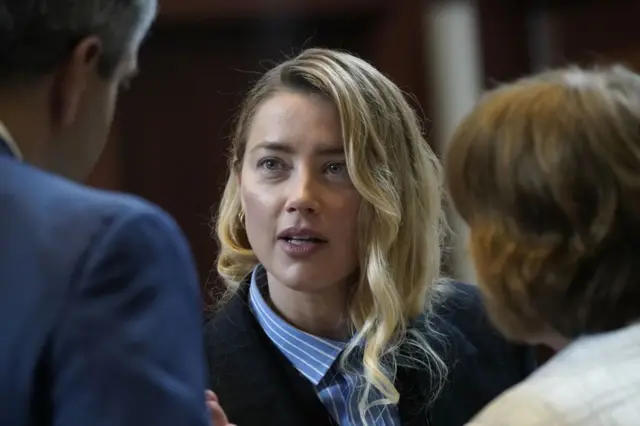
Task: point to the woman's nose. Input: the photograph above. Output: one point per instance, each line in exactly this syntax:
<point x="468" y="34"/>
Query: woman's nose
<point x="304" y="195"/>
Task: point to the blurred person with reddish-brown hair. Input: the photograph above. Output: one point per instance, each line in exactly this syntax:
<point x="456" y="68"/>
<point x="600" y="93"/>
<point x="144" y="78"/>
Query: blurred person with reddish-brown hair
<point x="546" y="173"/>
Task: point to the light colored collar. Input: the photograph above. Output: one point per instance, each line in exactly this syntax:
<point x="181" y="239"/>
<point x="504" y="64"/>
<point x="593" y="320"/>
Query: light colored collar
<point x="10" y="142"/>
<point x="312" y="356"/>
<point x="596" y="348"/>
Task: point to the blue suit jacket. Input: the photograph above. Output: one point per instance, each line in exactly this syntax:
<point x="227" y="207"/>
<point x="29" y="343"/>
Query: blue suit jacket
<point x="100" y="308"/>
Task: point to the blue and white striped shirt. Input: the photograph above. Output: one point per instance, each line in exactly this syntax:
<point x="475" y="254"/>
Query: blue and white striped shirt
<point x="316" y="359"/>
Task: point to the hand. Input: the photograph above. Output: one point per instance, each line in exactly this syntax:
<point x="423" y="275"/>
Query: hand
<point x="218" y="417"/>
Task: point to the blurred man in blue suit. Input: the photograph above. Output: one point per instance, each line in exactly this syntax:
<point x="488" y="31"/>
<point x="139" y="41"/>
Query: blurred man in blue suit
<point x="99" y="300"/>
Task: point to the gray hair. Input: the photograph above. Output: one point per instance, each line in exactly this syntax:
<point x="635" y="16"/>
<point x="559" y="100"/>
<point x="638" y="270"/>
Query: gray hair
<point x="38" y="35"/>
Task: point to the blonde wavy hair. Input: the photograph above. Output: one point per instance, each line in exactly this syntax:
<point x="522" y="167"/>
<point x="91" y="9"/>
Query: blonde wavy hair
<point x="546" y="171"/>
<point x="400" y="223"/>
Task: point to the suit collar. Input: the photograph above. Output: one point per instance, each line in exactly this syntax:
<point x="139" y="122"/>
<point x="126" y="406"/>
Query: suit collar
<point x="7" y="144"/>
<point x="4" y="149"/>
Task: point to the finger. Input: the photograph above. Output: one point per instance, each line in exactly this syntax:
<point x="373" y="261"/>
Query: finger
<point x="210" y="396"/>
<point x="217" y="413"/>
<point x="214" y="406"/>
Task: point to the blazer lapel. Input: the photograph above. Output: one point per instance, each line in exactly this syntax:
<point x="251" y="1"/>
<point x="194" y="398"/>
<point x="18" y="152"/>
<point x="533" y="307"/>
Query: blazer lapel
<point x="242" y="358"/>
<point x="4" y="149"/>
<point x="8" y="146"/>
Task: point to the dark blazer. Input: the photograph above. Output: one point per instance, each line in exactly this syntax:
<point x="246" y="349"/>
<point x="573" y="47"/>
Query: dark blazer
<point x="257" y="386"/>
<point x="99" y="306"/>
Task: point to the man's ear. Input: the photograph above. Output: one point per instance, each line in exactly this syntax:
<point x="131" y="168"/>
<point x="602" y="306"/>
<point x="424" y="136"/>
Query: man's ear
<point x="73" y="77"/>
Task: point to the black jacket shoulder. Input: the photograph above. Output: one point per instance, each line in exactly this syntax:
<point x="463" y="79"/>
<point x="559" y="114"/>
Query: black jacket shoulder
<point x="481" y="363"/>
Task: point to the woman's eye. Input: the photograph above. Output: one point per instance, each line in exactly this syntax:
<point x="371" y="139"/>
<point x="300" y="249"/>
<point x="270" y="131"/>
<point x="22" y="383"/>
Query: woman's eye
<point x="270" y="164"/>
<point x="336" y="168"/>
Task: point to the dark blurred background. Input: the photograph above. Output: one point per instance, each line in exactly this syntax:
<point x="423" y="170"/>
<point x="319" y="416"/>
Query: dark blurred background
<point x="169" y="141"/>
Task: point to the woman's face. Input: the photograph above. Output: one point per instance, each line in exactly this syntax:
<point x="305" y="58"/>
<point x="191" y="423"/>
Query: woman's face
<point x="300" y="207"/>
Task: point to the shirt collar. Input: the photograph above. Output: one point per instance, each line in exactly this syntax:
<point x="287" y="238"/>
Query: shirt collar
<point x="5" y="137"/>
<point x="312" y="356"/>
<point x="607" y="345"/>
